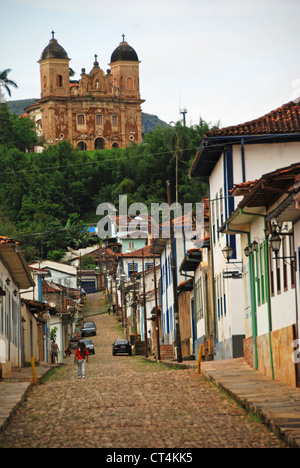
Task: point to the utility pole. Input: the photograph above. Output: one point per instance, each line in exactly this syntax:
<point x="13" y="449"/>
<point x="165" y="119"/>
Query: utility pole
<point x="144" y="305"/>
<point x="156" y="309"/>
<point x="174" y="275"/>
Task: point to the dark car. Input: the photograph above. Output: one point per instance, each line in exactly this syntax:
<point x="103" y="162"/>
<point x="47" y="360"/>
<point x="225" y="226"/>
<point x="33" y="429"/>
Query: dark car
<point x="122" y="347"/>
<point x="88" y="328"/>
<point x="89" y="346"/>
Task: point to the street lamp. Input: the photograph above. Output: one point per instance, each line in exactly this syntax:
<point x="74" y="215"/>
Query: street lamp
<point x="227" y="253"/>
<point x="275" y="241"/>
<point x="247" y="251"/>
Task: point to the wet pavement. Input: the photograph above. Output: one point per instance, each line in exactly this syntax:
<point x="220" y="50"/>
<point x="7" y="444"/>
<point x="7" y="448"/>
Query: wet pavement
<point x="127" y="402"/>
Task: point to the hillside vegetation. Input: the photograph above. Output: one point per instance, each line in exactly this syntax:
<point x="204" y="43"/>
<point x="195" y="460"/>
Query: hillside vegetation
<point x="48" y="198"/>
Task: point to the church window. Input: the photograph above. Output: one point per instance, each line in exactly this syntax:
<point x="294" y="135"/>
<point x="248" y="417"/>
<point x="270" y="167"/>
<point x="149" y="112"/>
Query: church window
<point x="81" y="146"/>
<point x="130" y="84"/>
<point x="99" y="143"/>
<point x="59" y="80"/>
<point x="98" y="120"/>
<point x="45" y="82"/>
<point x="80" y="119"/>
<point x="114" y="120"/>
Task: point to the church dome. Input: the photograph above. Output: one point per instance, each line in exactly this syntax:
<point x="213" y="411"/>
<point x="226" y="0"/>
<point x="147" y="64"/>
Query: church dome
<point x="54" y="50"/>
<point x="125" y="53"/>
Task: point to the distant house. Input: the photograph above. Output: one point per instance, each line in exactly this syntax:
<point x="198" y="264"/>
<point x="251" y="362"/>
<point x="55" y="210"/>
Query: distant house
<point x="182" y="244"/>
<point x="14" y="275"/>
<point x="61" y="273"/>
<point x="196" y="311"/>
<point x="35" y="324"/>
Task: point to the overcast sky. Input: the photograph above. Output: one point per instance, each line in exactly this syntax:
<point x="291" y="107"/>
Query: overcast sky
<point x="223" y="60"/>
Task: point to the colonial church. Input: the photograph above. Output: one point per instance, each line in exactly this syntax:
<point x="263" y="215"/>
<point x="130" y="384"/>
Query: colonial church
<point x="101" y="110"/>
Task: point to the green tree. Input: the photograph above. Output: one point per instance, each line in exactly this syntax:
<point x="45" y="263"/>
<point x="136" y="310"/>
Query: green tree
<point x="6" y="82"/>
<point x="23" y="133"/>
<point x="5" y="125"/>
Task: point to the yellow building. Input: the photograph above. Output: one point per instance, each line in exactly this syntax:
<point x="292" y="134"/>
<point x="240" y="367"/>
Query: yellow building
<point x="101" y="110"/>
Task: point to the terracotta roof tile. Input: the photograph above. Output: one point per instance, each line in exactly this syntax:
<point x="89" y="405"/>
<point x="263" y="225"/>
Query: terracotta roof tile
<point x="285" y="119"/>
<point x="139" y="253"/>
<point x="7" y="240"/>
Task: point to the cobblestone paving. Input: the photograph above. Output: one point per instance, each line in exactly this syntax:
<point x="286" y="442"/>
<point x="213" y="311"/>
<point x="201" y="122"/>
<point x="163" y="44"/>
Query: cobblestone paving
<point x="126" y="402"/>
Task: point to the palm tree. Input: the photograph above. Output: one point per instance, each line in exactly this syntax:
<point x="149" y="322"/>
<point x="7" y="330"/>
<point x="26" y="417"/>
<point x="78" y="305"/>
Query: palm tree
<point x="6" y="82"/>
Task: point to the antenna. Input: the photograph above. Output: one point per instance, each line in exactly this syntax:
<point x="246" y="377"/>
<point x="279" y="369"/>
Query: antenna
<point x="183" y="112"/>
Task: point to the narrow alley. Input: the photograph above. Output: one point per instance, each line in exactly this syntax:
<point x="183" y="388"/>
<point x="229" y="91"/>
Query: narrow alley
<point x="127" y="402"/>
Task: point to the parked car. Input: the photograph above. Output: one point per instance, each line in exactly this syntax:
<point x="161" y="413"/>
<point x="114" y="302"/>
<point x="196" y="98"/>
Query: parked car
<point x="122" y="347"/>
<point x="88" y="328"/>
<point x="89" y="346"/>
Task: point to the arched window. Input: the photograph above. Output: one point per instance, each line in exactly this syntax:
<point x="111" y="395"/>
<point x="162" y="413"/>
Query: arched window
<point x="130" y="83"/>
<point x="59" y="81"/>
<point x="81" y="146"/>
<point x="115" y="145"/>
<point x="99" y="143"/>
<point x="45" y="82"/>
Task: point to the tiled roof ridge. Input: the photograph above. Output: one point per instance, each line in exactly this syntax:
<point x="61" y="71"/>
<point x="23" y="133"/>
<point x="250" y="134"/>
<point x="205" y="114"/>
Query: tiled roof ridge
<point x="7" y="240"/>
<point x="284" y="119"/>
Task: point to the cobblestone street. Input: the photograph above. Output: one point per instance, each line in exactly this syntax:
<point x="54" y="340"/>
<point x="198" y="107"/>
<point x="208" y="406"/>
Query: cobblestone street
<point x="127" y="402"/>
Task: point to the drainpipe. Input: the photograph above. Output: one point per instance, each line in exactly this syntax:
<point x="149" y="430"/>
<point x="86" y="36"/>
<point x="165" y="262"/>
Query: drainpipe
<point x="253" y="295"/>
<point x="253" y="306"/>
<point x="268" y="296"/>
<point x="243" y="159"/>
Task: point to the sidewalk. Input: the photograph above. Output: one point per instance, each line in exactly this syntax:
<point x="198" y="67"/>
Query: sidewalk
<point x="277" y="404"/>
<point x="14" y="388"/>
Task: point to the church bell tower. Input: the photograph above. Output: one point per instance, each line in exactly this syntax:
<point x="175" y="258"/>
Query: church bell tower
<point x="54" y="68"/>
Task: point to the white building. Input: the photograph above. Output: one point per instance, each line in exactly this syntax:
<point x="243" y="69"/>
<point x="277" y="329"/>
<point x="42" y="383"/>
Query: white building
<point x="269" y="216"/>
<point x="14" y="275"/>
<point x="231" y="156"/>
<point x="61" y="273"/>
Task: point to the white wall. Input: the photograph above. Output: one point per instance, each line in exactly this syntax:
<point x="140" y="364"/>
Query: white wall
<point x="261" y="159"/>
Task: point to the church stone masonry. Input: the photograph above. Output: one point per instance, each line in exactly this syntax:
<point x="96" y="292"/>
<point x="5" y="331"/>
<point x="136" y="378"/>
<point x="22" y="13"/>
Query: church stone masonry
<point x="101" y="110"/>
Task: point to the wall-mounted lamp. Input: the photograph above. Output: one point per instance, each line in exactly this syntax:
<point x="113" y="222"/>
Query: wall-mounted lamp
<point x="227" y="253"/>
<point x="251" y="248"/>
<point x="275" y="241"/>
<point x="247" y="251"/>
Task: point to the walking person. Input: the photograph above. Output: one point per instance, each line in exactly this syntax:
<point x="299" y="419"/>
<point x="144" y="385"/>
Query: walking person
<point x="81" y="356"/>
<point x="54" y="352"/>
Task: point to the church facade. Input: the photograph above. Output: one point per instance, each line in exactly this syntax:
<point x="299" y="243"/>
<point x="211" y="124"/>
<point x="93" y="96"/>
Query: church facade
<point x="100" y="110"/>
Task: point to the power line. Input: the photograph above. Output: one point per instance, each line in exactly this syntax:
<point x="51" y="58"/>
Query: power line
<point x="139" y="156"/>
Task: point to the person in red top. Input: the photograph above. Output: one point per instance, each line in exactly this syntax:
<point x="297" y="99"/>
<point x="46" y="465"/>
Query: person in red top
<point x="81" y="356"/>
